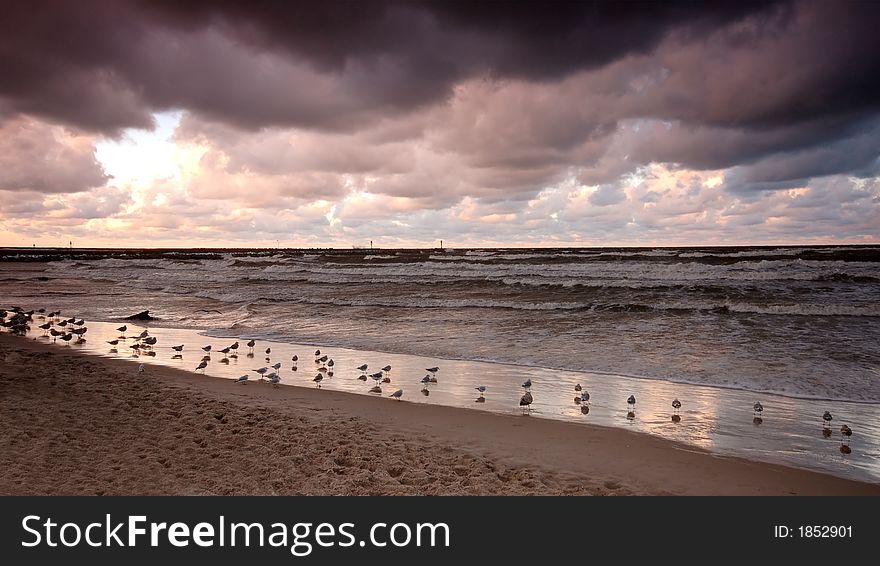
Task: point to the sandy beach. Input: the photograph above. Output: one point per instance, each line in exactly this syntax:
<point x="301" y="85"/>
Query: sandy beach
<point x="81" y="424"/>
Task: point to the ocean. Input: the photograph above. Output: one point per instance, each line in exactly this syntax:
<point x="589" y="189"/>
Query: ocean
<point x="798" y="321"/>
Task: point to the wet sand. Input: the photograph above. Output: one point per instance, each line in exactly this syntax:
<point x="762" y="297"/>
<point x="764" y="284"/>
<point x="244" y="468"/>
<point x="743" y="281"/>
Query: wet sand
<point x="80" y="424"/>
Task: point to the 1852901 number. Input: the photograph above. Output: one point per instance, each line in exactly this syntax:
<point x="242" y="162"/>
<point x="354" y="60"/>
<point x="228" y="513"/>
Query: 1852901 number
<point x="825" y="531"/>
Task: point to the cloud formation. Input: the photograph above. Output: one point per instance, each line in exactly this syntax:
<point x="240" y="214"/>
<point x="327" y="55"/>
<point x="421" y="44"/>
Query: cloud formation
<point x="335" y="122"/>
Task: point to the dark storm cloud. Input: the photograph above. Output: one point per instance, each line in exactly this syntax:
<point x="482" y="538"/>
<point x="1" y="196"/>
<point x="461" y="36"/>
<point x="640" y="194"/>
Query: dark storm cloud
<point x="529" y="93"/>
<point x="104" y="65"/>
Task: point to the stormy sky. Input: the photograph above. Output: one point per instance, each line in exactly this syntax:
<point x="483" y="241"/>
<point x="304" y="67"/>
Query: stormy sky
<point x="333" y="123"/>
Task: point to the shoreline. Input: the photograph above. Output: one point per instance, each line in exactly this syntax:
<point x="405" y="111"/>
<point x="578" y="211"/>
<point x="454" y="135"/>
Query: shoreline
<point x="229" y="334"/>
<point x="158" y="432"/>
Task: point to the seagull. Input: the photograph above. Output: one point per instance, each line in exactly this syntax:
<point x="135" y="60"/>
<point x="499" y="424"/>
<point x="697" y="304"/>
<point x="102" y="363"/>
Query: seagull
<point x="225" y="350"/>
<point x="294" y="359"/>
<point x="150" y="340"/>
<point x="759" y="408"/>
<point x="207" y="348"/>
<point x="585" y="397"/>
<point x="55" y="334"/>
<point x="846" y="431"/>
<point x="434" y="369"/>
<point x="363" y="367"/>
<point x="578" y="387"/>
<point x="67" y="337"/>
<point x="121" y="329"/>
<point x="827" y="417"/>
<point x="331" y="363"/>
<point x="80" y="322"/>
<point x="251" y="344"/>
<point x="113" y="342"/>
<point x="317" y="353"/>
<point x="275" y="379"/>
<point x="676" y="404"/>
<point x="527" y="384"/>
<point x="318" y="379"/>
<point x="397" y="394"/>
<point x="426" y="379"/>
<point x="268" y="351"/>
<point x="46" y="327"/>
<point x="141" y="368"/>
<point x="143" y="334"/>
<point x="177" y="348"/>
<point x="323" y="358"/>
<point x="234" y="346"/>
<point x="481" y="389"/>
<point x="277" y="366"/>
<point x="242" y="379"/>
<point x="202" y="365"/>
<point x="526" y="401"/>
<point x="387" y="369"/>
<point x="631" y="401"/>
<point x="262" y="371"/>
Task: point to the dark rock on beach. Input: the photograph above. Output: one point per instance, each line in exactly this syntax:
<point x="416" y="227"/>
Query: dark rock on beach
<point x="143" y="315"/>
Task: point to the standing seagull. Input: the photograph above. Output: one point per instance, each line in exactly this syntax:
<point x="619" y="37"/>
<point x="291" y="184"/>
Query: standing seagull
<point x="578" y="387"/>
<point x="759" y="408"/>
<point x="434" y="369"/>
<point x="262" y="371"/>
<point x="481" y="389"/>
<point x="676" y="404"/>
<point x="397" y="394"/>
<point x="250" y="345"/>
<point x="242" y="379"/>
<point x="141" y="368"/>
<point x="527" y="385"/>
<point x="318" y="379"/>
<point x="202" y="365"/>
<point x="526" y="401"/>
<point x="207" y="348"/>
<point x="585" y="397"/>
<point x="177" y="349"/>
<point x="363" y="367"/>
<point x="631" y="402"/>
<point x="122" y="329"/>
